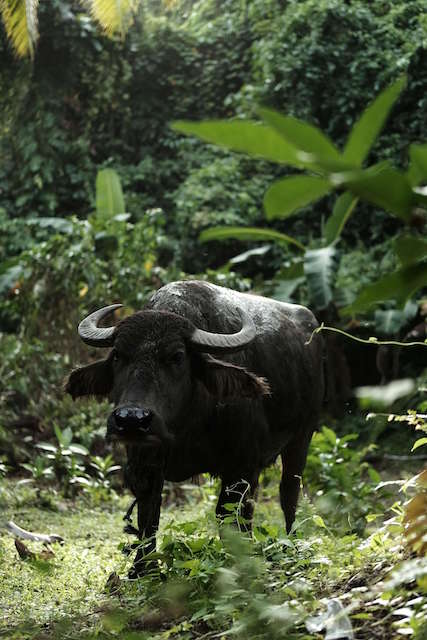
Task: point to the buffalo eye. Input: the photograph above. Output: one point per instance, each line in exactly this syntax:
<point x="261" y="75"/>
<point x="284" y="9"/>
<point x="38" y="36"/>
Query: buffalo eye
<point x="177" y="358"/>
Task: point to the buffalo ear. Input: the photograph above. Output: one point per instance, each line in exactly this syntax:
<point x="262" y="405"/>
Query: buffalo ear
<point x="225" y="380"/>
<point x="92" y="380"/>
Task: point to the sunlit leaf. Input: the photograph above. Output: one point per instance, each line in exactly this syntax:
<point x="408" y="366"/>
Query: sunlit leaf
<point x="319" y="268"/>
<point x="78" y="448"/>
<point x="247" y="255"/>
<point x="368" y="127"/>
<point x="303" y="136"/>
<point x="399" y="285"/>
<point x="385" y="395"/>
<point x="20" y="22"/>
<point x="286" y="196"/>
<point x="243" y="135"/>
<point x="341" y="212"/>
<point x="421" y="442"/>
<point x="114" y="16"/>
<point x="247" y="233"/>
<point x="109" y="194"/>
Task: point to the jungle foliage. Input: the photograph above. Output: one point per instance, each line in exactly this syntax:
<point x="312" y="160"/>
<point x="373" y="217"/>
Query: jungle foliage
<point x="102" y="200"/>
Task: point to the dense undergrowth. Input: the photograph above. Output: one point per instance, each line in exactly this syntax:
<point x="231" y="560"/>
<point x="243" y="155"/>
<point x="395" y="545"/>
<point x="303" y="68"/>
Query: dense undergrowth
<point x="210" y="582"/>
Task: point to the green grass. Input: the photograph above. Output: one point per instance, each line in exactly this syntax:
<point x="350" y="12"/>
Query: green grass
<point x="262" y="588"/>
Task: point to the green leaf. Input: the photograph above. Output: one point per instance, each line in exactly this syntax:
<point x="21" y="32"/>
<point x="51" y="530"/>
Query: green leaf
<point x="20" y="22"/>
<point x="305" y="137"/>
<point x="46" y="446"/>
<point x="399" y="285"/>
<point x="243" y="135"/>
<point x="381" y="185"/>
<point x="320" y="266"/>
<point x="410" y="249"/>
<point x="285" y="288"/>
<point x="290" y="271"/>
<point x="109" y="195"/>
<point x="286" y="196"/>
<point x="318" y="520"/>
<point x="418" y="443"/>
<point x="330" y="435"/>
<point x="417" y="172"/>
<point x="390" y="321"/>
<point x="368" y="127"/>
<point x="247" y="233"/>
<point x="78" y="448"/>
<point x="341" y="212"/>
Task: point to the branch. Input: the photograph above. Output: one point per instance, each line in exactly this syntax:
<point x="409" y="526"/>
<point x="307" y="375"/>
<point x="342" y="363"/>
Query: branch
<point x="373" y="340"/>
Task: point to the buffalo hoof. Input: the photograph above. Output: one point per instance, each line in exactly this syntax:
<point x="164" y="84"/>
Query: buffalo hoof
<point x="143" y="569"/>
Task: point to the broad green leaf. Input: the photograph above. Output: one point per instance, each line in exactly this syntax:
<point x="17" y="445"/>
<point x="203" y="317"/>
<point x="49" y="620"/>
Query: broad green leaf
<point x="399" y="285"/>
<point x="78" y="448"/>
<point x="245" y="136"/>
<point x="285" y="288"/>
<point x="341" y="212"/>
<point x="109" y="195"/>
<point x="368" y="127"/>
<point x="286" y="196"/>
<point x="305" y="137"/>
<point x="390" y="321"/>
<point x="46" y="446"/>
<point x="20" y="22"/>
<point x="417" y="172"/>
<point x="410" y="249"/>
<point x="114" y="16"/>
<point x="381" y="185"/>
<point x="247" y="233"/>
<point x="319" y="268"/>
<point x="290" y="271"/>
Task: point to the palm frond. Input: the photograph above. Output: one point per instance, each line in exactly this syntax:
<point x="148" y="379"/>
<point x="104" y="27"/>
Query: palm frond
<point x="114" y="16"/>
<point x="20" y="22"/>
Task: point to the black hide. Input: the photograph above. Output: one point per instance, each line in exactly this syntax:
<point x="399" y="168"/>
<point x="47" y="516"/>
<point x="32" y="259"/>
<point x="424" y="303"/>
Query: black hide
<point x="230" y="417"/>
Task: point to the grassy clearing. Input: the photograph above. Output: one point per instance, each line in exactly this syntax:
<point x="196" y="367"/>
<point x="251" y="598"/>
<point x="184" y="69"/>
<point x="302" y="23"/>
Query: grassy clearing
<point x="267" y="587"/>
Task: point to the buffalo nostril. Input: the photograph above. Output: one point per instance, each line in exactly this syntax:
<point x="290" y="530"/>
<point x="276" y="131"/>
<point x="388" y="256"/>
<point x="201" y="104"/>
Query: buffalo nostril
<point x="132" y="418"/>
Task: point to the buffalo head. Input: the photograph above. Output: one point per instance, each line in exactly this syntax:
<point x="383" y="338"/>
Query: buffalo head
<point x="159" y="367"/>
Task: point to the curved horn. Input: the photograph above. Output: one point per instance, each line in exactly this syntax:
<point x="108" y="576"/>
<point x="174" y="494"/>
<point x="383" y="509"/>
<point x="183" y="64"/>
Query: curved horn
<point x="222" y="342"/>
<point x="96" y="336"/>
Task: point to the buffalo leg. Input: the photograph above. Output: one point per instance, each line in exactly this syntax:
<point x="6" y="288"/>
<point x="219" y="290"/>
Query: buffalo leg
<point x="294" y="456"/>
<point x="242" y="493"/>
<point x="148" y="502"/>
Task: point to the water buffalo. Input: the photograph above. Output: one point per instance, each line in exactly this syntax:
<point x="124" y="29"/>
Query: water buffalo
<point x="206" y="379"/>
